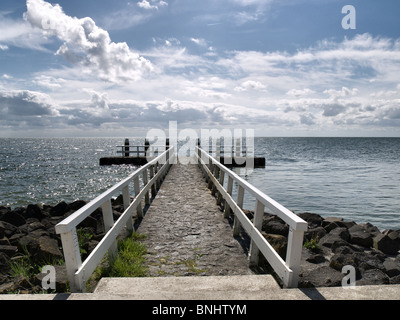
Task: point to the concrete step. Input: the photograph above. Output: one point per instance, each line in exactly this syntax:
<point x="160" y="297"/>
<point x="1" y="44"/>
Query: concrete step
<point x="245" y="287"/>
<point x="188" y="288"/>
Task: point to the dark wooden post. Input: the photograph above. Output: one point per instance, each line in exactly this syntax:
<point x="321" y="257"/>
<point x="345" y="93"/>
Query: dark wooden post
<point x="126" y="147"/>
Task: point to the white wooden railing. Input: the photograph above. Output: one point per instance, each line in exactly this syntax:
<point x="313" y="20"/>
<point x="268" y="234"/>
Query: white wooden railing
<point x="79" y="272"/>
<point x="221" y="179"/>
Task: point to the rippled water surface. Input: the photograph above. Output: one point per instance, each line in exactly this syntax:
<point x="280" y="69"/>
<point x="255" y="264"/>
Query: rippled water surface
<point x="354" y="178"/>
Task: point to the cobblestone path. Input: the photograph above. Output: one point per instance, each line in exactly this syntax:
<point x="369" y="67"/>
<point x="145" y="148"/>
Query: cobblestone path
<point x="186" y="231"/>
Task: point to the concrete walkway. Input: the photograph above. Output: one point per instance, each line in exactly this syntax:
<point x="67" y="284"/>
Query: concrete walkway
<point x="186" y="233"/>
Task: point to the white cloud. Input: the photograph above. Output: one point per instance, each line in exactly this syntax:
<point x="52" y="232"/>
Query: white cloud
<point x="144" y="4"/>
<point x="20" y="33"/>
<point x="250" y="85"/>
<point x="199" y="41"/>
<point x="87" y="45"/>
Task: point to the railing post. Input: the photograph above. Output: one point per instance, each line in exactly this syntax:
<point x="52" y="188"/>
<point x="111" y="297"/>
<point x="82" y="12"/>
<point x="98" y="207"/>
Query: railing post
<point x="127" y="201"/>
<point x="108" y="224"/>
<point x="145" y="182"/>
<point x="239" y="202"/>
<point x="153" y="186"/>
<point x="72" y="257"/>
<point x="257" y="222"/>
<point x="211" y="168"/>
<point x="227" y="209"/>
<point x="216" y="176"/>
<point x="221" y="182"/>
<point x="293" y="256"/>
<point x="136" y="186"/>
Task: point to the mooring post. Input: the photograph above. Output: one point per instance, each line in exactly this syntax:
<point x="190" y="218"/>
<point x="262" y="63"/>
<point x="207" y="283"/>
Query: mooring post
<point x="126" y="147"/>
<point x="146" y="147"/>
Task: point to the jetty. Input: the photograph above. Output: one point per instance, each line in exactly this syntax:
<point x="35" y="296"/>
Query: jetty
<point x="231" y="156"/>
<point x="184" y="215"/>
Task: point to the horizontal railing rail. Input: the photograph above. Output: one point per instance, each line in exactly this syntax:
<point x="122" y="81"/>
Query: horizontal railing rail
<point x="217" y="176"/>
<point x="79" y="272"/>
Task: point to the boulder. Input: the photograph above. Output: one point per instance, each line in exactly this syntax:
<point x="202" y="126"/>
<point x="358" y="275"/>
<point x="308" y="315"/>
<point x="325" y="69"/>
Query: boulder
<point x="395" y="236"/>
<point x="76" y="205"/>
<point x="8" y="250"/>
<point x="360" y="236"/>
<point x="392" y="267"/>
<point x="278" y="242"/>
<point x="338" y="261"/>
<point x="60" y="209"/>
<point x="386" y="244"/>
<point x="365" y="261"/>
<point x="395" y="280"/>
<point x="33" y="211"/>
<point x="328" y="220"/>
<point x="48" y="249"/>
<point x="373" y="277"/>
<point x="337" y="237"/>
<point x="7" y="229"/>
<point x="14" y="218"/>
<point x="61" y="278"/>
<point x="322" y="276"/>
<point x="313" y="220"/>
<point x="315" y="233"/>
<point x="275" y="225"/>
<point x="316" y="258"/>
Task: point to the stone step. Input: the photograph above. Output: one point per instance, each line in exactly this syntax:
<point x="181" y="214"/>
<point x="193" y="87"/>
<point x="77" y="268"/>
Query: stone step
<point x="189" y="288"/>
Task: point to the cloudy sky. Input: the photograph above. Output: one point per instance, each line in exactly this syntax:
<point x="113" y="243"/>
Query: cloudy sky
<point x="120" y="68"/>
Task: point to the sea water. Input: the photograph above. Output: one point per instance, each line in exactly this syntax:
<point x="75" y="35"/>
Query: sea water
<point x="353" y="178"/>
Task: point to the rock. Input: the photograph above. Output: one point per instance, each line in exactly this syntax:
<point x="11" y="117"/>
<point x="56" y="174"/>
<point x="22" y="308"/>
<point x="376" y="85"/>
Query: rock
<point x="365" y="262"/>
<point x="329" y="220"/>
<point x="392" y="267"/>
<point x="373" y="277"/>
<point x="315" y="233"/>
<point x="61" y="278"/>
<point x="395" y="280"/>
<point x="395" y="236"/>
<point x="275" y="225"/>
<point x="76" y="205"/>
<point x="338" y="261"/>
<point x="313" y="220"/>
<point x="4" y="259"/>
<point x="337" y="237"/>
<point x="28" y="243"/>
<point x="360" y="236"/>
<point x="8" y="250"/>
<point x="7" y="287"/>
<point x="60" y="209"/>
<point x="278" y="242"/>
<point x="48" y="249"/>
<point x="322" y="276"/>
<point x="329" y="227"/>
<point x="14" y="218"/>
<point x="385" y="244"/>
<point x="316" y="258"/>
<point x="7" y="229"/>
<point x="33" y="211"/>
<point x="370" y="228"/>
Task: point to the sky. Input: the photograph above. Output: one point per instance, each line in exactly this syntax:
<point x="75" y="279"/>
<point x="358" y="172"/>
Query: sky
<point x="118" y="68"/>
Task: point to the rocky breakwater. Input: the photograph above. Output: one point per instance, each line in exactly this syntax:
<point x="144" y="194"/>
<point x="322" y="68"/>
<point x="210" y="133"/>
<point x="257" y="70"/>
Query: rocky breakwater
<point x="331" y="243"/>
<point x="28" y="242"/>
